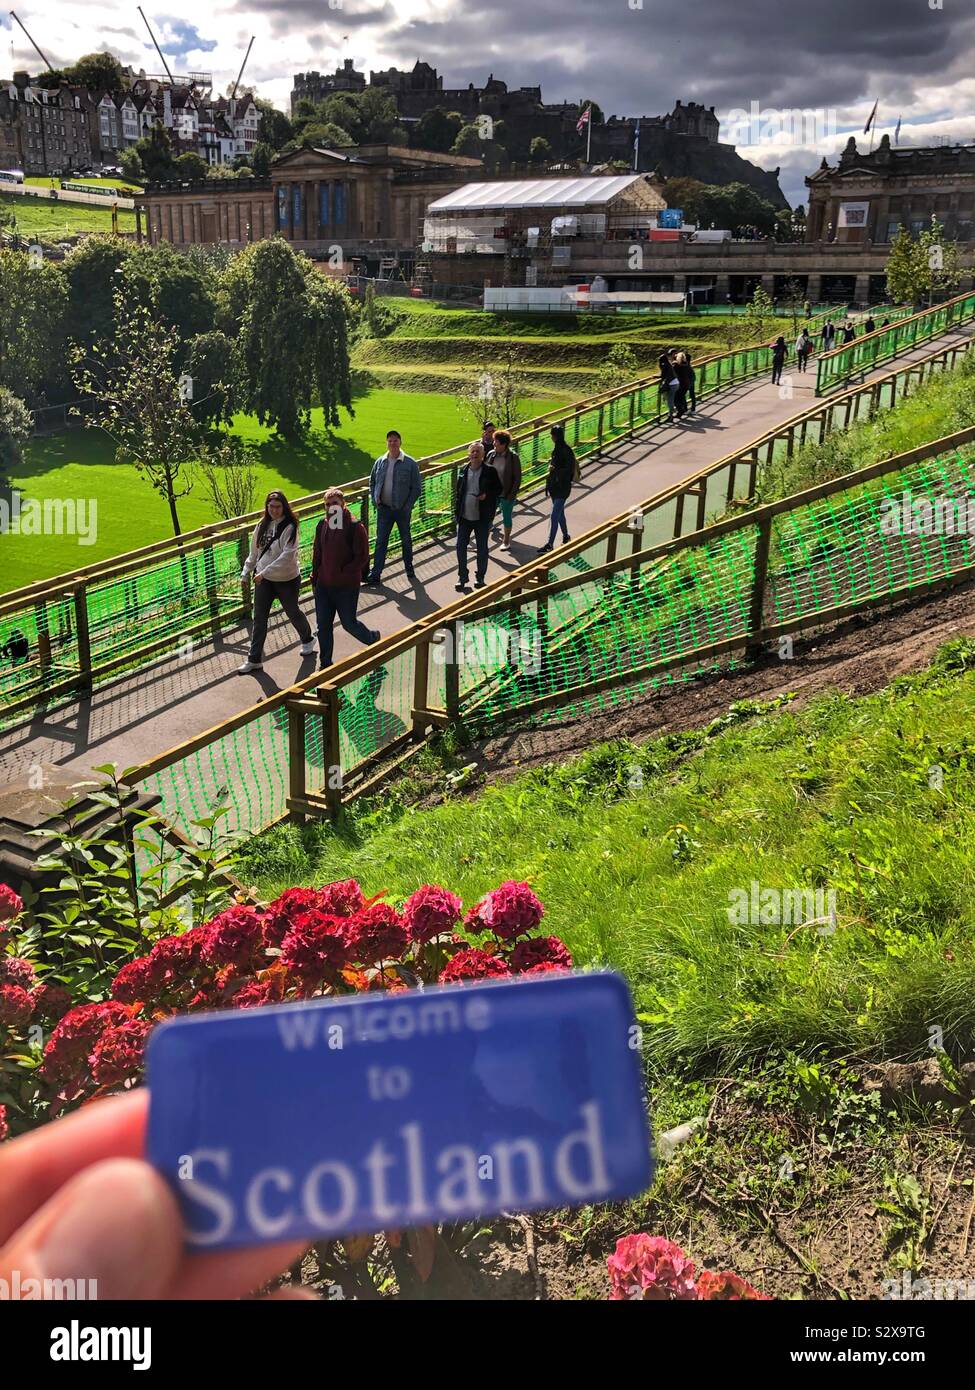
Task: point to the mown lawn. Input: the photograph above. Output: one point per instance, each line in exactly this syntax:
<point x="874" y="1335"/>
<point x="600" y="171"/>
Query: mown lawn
<point x="51" y="220"/>
<point x="79" y="464"/>
<point x="637" y="853"/>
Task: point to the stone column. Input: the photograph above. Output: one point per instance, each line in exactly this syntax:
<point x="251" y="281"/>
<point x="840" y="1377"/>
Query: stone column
<point x="814" y="287"/>
<point x="861" y="290"/>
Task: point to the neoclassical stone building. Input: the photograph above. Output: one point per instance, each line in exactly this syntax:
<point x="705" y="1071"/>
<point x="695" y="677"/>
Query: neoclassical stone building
<point x="867" y="197"/>
<point x="369" y="200"/>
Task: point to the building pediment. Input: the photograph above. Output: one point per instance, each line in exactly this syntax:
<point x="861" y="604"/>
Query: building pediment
<point x="312" y="160"/>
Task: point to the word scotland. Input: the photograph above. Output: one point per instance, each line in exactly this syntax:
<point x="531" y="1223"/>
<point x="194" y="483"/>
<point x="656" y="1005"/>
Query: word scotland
<point x="336" y="1117"/>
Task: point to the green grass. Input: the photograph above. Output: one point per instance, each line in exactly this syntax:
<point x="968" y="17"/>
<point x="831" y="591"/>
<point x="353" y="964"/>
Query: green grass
<point x="53" y="221"/>
<point x="635" y="852"/>
<point x="943" y="406"/>
<point x="91" y="180"/>
<point x="79" y="464"/>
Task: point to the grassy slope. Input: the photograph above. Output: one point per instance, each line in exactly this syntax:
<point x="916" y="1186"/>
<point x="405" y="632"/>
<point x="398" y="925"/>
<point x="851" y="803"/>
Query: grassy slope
<point x="53" y="221"/>
<point x="78" y="464"/>
<point x="634" y="851"/>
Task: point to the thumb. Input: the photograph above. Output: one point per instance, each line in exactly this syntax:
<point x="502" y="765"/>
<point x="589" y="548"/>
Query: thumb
<point x="115" y="1225"/>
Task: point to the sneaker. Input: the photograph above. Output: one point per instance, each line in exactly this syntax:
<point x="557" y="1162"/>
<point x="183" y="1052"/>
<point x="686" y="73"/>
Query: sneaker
<point x="249" y="666"/>
<point x="375" y="636"/>
<point x="308" y="648"/>
<point x="544" y="549"/>
<point x="505" y="545"/>
<point x="478" y="583"/>
<point x="462" y="587"/>
<point x="371" y="582"/>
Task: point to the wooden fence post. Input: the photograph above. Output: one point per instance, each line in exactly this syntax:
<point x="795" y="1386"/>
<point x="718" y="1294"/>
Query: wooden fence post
<point x="755" y="617"/>
<point x="452" y="674"/>
<point x="83" y="638"/>
<point x="297" y="785"/>
<point x="332" y="751"/>
<point x="421" y="686"/>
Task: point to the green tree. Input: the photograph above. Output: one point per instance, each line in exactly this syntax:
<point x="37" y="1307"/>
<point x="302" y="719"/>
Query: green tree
<point x="33" y="306"/>
<point x="229" y="475"/>
<point x="102" y="72"/>
<point x="131" y="165"/>
<point x="155" y="152"/>
<point x="274" y="128"/>
<point x="140" y="402"/>
<point x="15" y="428"/>
<point x="261" y="156"/>
<point x="469" y="141"/>
<point x="922" y="268"/>
<point x="325" y="135"/>
<point x="758" y="315"/>
<point x="619" y="369"/>
<point x="213" y="368"/>
<point x="190" y="166"/>
<point x="50" y="81"/>
<point x="685" y="193"/>
<point x="293" y="338"/>
<point x="379" y="117"/>
<point x="540" y="151"/>
<point x="437" y="130"/>
<point x="93" y="270"/>
<point x="597" y="116"/>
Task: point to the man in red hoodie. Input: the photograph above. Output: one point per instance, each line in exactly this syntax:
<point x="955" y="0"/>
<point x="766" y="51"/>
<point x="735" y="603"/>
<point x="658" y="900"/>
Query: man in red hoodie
<point x="339" y="562"/>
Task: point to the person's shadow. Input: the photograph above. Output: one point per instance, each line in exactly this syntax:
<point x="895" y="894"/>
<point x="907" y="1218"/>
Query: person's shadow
<point x="364" y="724"/>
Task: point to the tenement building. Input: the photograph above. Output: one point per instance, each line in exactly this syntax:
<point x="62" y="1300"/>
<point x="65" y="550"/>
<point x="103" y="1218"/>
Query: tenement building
<point x="869" y="197"/>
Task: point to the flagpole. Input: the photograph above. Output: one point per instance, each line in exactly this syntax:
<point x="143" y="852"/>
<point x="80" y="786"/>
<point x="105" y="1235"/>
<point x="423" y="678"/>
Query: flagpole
<point x="589" y="135"/>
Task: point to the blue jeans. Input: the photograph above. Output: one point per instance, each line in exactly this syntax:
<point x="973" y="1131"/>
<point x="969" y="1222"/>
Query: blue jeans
<point x="481" y="531"/>
<point x="386" y="519"/>
<point x="558" y="519"/>
<point x="344" y="601"/>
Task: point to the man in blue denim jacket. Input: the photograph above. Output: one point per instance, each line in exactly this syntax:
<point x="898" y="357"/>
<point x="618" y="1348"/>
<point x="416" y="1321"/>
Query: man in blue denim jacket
<point x="394" y="486"/>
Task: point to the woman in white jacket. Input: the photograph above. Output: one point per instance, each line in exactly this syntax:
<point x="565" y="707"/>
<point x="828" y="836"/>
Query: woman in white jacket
<point x="273" y="562"/>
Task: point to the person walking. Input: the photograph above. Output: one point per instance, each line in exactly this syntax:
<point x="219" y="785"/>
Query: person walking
<point x="827" y="336"/>
<point x="395" y="487"/>
<point x="487" y="436"/>
<point x="339" y="560"/>
<point x="475" y="503"/>
<point x="273" y="561"/>
<point x="688" y="380"/>
<point x="778" y="359"/>
<point x="670" y="384"/>
<point x="803" y="349"/>
<point x="558" y="485"/>
<point x="849" y="332"/>
<point x="506" y="463"/>
<point x="869" y="326"/>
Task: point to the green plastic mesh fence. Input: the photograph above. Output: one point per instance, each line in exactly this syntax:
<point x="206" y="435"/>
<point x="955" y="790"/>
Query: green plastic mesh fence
<point x="862" y="354"/>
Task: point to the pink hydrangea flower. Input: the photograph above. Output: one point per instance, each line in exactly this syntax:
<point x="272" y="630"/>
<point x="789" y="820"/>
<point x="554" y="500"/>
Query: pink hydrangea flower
<point x="431" y="911"/>
<point x="650" y="1267"/>
<point x="509" y="911"/>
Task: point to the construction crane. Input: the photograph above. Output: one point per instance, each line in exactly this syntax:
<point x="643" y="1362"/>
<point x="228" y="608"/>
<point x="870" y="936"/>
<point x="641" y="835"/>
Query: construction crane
<point x="242" y="66"/>
<point x="156" y="46"/>
<point x="33" y="44"/>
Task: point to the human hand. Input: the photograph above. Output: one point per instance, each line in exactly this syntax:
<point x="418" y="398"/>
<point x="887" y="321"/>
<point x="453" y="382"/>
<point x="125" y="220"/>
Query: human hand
<point x="258" y="578"/>
<point x="80" y="1202"/>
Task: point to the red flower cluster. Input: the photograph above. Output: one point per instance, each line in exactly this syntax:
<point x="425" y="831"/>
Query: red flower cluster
<point x="4" y="1126"/>
<point x="11" y="903"/>
<point x="509" y="912"/>
<point x="430" y="912"/>
<point x="309" y="940"/>
<point x="654" y="1268"/>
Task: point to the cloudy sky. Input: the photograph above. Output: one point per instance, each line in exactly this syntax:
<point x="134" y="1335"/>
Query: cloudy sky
<point x="762" y="59"/>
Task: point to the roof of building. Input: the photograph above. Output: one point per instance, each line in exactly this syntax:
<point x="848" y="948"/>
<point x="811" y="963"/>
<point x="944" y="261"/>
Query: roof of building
<point x="581" y="191"/>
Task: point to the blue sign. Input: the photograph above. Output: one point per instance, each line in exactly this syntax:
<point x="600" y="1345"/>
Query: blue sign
<point x="296" y="206"/>
<point x="670" y="218"/>
<point x="371" y="1112"/>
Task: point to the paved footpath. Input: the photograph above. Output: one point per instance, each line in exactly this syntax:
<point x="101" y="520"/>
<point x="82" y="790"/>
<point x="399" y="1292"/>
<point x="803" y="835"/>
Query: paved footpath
<point x="149" y="712"/>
